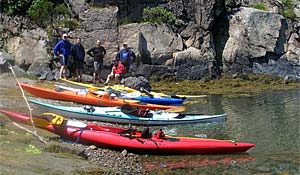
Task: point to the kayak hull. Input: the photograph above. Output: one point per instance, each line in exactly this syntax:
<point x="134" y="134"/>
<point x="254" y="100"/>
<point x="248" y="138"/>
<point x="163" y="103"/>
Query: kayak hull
<point x="111" y="137"/>
<point x="115" y="115"/>
<point x="91" y="99"/>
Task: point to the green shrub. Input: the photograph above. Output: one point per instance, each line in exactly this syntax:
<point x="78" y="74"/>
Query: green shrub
<point x="260" y="6"/>
<point x="158" y="15"/>
<point x="15" y="7"/>
<point x="125" y="21"/>
<point x="288" y="11"/>
<point x="41" y="11"/>
<point x="68" y="23"/>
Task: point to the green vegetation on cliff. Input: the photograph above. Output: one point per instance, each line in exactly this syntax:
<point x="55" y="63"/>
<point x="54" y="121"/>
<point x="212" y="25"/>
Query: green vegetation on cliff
<point x="41" y="12"/>
<point x="289" y="6"/>
<point x="260" y="6"/>
<point x="158" y="15"/>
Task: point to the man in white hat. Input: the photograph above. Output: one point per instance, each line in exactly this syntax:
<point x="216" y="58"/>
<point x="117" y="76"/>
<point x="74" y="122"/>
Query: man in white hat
<point x="62" y="49"/>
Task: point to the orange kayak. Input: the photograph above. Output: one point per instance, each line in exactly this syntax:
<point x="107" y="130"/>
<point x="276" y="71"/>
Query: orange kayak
<point x="90" y="98"/>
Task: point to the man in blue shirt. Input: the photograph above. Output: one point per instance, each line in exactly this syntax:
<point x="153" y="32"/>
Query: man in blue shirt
<point x="126" y="56"/>
<point x="62" y="49"/>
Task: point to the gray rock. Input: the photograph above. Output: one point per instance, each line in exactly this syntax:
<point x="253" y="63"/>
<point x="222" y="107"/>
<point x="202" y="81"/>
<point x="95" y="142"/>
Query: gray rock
<point x="281" y="68"/>
<point x="254" y="34"/>
<point x="193" y="65"/>
<point x="108" y="37"/>
<point x="87" y="78"/>
<point x="78" y="6"/>
<point x="18" y="71"/>
<point x="200" y="11"/>
<point x="137" y="83"/>
<point x="5" y="60"/>
<point x="99" y="18"/>
<point x="297" y="8"/>
<point x="156" y="71"/>
<point x="124" y="152"/>
<point x="293" y="51"/>
<point x="152" y="43"/>
<point x="29" y="48"/>
<point x="39" y="69"/>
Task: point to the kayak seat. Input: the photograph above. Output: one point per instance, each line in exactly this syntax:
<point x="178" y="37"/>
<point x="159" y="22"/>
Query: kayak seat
<point x="59" y="89"/>
<point x="146" y="134"/>
<point x="180" y="116"/>
<point x="89" y="109"/>
<point x="139" y="112"/>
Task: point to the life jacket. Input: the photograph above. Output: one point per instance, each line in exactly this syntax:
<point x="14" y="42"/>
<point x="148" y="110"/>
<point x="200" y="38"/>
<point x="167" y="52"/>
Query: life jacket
<point x="125" y="55"/>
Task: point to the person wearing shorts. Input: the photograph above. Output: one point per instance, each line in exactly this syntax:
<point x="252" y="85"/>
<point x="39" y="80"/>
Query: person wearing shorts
<point x="98" y="53"/>
<point x="62" y="49"/>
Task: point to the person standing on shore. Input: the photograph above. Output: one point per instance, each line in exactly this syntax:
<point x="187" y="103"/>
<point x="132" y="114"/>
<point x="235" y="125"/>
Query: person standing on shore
<point x="78" y="54"/>
<point x="62" y="49"/>
<point x="126" y="56"/>
<point x="98" y="53"/>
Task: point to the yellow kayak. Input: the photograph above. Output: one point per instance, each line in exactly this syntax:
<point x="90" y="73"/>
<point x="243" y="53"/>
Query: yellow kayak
<point x="123" y="88"/>
<point x="115" y="87"/>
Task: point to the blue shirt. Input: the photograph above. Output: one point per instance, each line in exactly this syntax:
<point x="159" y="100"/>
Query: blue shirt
<point x="62" y="47"/>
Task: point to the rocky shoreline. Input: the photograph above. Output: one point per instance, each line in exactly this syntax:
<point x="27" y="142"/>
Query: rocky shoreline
<point x="108" y="161"/>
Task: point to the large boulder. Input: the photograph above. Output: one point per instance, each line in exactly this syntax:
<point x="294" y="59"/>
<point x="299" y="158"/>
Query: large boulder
<point x="29" y="48"/>
<point x="98" y="24"/>
<point x="193" y="64"/>
<point x="153" y="43"/>
<point x="254" y="35"/>
<point x="293" y="50"/>
<point x="200" y="11"/>
<point x="137" y="83"/>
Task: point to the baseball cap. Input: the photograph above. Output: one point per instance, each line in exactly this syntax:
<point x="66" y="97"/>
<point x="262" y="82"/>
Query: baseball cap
<point x="65" y="35"/>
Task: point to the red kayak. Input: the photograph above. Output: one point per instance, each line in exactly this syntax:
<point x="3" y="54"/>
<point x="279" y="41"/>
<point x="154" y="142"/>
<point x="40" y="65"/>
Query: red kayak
<point x="131" y="140"/>
<point x="90" y="98"/>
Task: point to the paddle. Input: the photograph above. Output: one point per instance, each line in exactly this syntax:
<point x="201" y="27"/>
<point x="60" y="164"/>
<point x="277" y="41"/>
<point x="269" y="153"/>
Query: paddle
<point x="146" y="92"/>
<point x="152" y="96"/>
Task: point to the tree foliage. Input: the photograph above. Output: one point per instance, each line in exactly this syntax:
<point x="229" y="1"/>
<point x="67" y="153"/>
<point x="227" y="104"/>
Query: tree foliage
<point x="40" y="11"/>
<point x="158" y="15"/>
<point x="15" y="7"/>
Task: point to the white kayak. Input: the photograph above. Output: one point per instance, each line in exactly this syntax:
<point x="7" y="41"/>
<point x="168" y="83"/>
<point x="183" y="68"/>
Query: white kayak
<point x="127" y="115"/>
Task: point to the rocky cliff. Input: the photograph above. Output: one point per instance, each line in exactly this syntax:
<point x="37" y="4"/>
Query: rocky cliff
<point x="208" y="40"/>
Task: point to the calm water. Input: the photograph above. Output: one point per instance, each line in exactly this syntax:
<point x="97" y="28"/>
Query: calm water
<point x="271" y="120"/>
